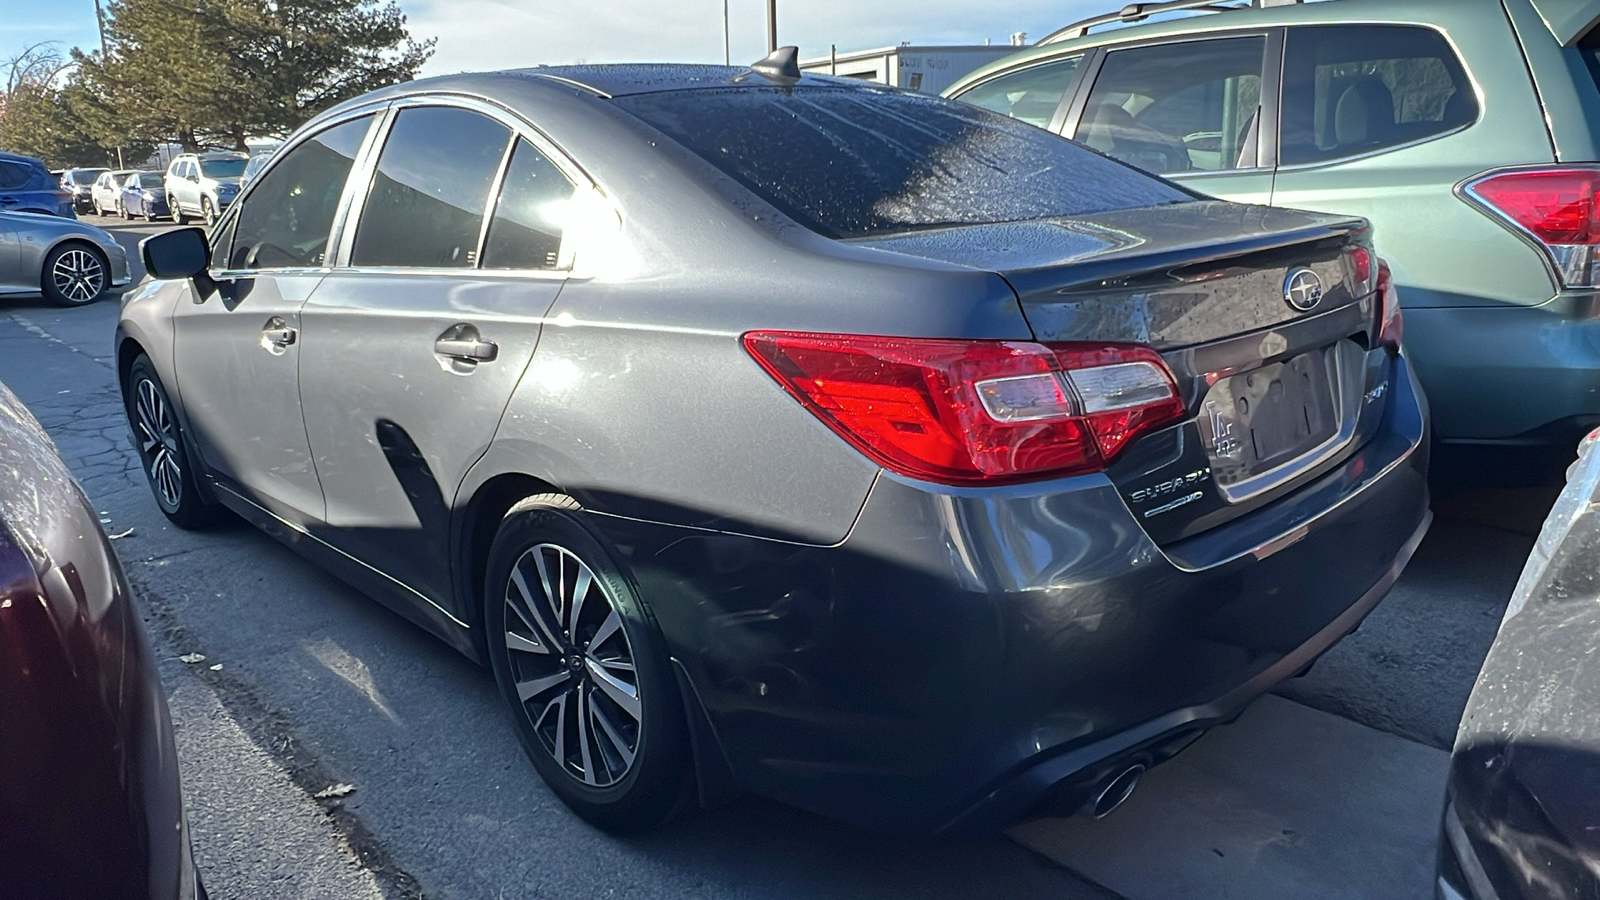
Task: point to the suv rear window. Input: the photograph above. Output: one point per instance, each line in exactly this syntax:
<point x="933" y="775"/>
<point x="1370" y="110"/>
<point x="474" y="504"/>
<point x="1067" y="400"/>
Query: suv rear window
<point x="1351" y="89"/>
<point x="856" y="162"/>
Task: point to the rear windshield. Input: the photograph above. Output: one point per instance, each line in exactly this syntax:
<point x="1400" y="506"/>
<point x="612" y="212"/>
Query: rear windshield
<point x="231" y="167"/>
<point x="849" y="162"/>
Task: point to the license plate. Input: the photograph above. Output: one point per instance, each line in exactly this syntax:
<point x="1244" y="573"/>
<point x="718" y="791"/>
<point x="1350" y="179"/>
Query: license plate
<point x="1256" y="421"/>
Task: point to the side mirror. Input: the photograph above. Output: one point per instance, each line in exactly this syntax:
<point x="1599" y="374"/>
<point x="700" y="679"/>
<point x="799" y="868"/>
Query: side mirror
<point x="180" y="253"/>
<point x="193" y="178"/>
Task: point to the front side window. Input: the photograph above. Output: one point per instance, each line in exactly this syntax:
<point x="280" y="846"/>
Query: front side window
<point x="1030" y="95"/>
<point x="286" y="219"/>
<point x="426" y="204"/>
<point x="1174" y="108"/>
<point x="525" y="232"/>
<point x="1351" y="89"/>
<point x="855" y="162"/>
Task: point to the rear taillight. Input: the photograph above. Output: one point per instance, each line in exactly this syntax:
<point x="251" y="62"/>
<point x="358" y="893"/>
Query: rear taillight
<point x="1559" y="208"/>
<point x="1390" y="323"/>
<point x="1362" y="270"/>
<point x="970" y="412"/>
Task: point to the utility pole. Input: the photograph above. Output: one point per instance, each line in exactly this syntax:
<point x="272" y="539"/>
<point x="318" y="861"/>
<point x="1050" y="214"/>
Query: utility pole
<point x="105" y="57"/>
<point x="727" y="58"/>
<point x="772" y="26"/>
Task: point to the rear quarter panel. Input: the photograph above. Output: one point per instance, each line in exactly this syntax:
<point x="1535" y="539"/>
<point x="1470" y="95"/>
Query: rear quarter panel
<point x="641" y="399"/>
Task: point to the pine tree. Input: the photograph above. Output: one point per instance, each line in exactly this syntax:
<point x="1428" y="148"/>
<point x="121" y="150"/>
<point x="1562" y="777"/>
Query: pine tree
<point x="211" y="72"/>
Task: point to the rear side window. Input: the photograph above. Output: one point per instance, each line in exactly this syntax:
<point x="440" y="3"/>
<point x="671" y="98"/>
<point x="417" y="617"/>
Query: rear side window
<point x="289" y="212"/>
<point x="526" y="230"/>
<point x="1352" y="89"/>
<point x="1178" y="107"/>
<point x="855" y="162"/>
<point x="13" y="176"/>
<point x="1030" y="95"/>
<point x="427" y="200"/>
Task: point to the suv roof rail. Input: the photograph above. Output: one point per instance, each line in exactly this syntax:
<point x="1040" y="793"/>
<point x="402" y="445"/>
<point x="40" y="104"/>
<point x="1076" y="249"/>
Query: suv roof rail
<point x="1138" y="12"/>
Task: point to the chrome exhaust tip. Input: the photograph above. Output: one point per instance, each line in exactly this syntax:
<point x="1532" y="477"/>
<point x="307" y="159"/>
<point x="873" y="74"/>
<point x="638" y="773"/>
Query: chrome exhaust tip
<point x="1114" y="792"/>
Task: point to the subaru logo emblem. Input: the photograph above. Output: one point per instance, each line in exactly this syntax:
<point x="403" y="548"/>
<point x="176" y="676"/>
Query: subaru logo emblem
<point x="1303" y="289"/>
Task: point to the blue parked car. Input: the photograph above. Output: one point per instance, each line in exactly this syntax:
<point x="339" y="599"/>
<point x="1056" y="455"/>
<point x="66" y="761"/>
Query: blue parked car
<point x="27" y="186"/>
<point x="143" y="194"/>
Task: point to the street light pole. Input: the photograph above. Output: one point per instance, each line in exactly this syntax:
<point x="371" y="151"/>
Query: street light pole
<point x="727" y="58"/>
<point x="772" y="26"/>
<point x="105" y="56"/>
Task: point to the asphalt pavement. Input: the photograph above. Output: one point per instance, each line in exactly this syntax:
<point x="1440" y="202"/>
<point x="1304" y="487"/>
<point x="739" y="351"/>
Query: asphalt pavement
<point x="308" y="687"/>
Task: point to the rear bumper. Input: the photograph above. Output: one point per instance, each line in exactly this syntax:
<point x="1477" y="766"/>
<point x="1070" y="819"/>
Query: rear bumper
<point x="1513" y="375"/>
<point x="967" y="655"/>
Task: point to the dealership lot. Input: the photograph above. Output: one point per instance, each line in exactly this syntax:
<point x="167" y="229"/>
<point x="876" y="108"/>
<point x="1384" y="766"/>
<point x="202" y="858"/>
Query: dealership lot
<point x="307" y="685"/>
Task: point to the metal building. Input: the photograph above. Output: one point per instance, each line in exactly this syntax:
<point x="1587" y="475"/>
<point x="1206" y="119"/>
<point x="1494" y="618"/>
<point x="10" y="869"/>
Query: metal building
<point x="926" y="69"/>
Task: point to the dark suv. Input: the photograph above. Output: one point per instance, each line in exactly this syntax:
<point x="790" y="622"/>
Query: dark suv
<point x="27" y="186"/>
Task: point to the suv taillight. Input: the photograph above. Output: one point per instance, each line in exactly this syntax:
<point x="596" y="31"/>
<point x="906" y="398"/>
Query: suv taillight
<point x="1558" y="207"/>
<point x="1390" y="324"/>
<point x="974" y="412"/>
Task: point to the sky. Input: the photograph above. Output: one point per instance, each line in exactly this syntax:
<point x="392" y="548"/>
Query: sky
<point x="476" y="35"/>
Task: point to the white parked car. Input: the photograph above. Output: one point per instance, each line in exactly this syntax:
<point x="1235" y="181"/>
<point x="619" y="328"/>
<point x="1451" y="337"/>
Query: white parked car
<point x="106" y="194"/>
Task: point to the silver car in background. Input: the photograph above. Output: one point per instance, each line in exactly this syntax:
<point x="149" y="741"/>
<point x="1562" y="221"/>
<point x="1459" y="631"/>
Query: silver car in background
<point x="203" y="184"/>
<point x="71" y="263"/>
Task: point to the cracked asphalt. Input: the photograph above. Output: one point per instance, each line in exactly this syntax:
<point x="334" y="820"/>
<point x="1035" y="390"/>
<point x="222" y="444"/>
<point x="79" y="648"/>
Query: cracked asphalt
<point x="307" y="684"/>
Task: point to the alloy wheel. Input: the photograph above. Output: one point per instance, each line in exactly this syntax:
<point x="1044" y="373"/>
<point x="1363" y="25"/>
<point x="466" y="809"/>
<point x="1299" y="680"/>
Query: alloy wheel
<point x="158" y="442"/>
<point x="572" y="665"/>
<point x="78" y="275"/>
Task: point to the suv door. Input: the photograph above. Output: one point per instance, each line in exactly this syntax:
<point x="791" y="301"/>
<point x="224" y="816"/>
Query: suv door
<point x="412" y="350"/>
<point x="241" y="346"/>
<point x="1187" y="110"/>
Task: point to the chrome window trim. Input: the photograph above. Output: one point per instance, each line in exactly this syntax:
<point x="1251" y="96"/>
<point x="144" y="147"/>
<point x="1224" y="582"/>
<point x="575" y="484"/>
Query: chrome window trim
<point x="491" y="204"/>
<point x="1378" y="151"/>
<point x="437" y="272"/>
<point x="520" y="128"/>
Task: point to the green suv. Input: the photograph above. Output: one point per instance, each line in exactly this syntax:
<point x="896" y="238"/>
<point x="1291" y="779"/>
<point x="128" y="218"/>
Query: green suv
<point x="1467" y="131"/>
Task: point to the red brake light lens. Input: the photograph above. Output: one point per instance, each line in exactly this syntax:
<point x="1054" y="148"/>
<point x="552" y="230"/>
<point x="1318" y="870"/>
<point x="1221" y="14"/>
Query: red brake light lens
<point x="1391" y="326"/>
<point x="1558" y="207"/>
<point x="970" y="412"/>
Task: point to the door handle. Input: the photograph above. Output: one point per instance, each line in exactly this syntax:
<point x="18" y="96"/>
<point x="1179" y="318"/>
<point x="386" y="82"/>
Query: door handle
<point x="464" y="343"/>
<point x="277" y="335"/>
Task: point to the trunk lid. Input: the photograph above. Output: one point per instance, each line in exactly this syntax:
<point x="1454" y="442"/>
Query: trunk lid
<point x="1277" y="394"/>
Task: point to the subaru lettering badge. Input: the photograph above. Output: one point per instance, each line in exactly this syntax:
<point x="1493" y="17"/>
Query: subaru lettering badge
<point x="1303" y="289"/>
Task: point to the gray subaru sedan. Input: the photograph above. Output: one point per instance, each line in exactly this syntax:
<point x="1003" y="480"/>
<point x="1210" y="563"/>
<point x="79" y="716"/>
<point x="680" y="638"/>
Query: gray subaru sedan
<point x="862" y="449"/>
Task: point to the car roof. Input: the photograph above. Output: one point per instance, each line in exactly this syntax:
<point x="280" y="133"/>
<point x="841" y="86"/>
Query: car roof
<point x="624" y="79"/>
<point x="1315" y="13"/>
<point x="19" y="158"/>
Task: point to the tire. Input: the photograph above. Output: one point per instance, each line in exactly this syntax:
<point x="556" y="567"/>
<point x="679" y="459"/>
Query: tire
<point x="158" y="441"/>
<point x="208" y="213"/>
<point x="177" y="214"/>
<point x="579" y="722"/>
<point x="74" y="274"/>
<point x="122" y="212"/>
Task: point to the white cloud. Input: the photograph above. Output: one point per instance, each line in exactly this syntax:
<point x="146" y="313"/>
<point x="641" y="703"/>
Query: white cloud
<point x="480" y="35"/>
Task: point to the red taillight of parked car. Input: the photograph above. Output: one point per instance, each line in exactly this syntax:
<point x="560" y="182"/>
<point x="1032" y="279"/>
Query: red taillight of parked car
<point x="1558" y="207"/>
<point x="1391" y="325"/>
<point x="974" y="412"/>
